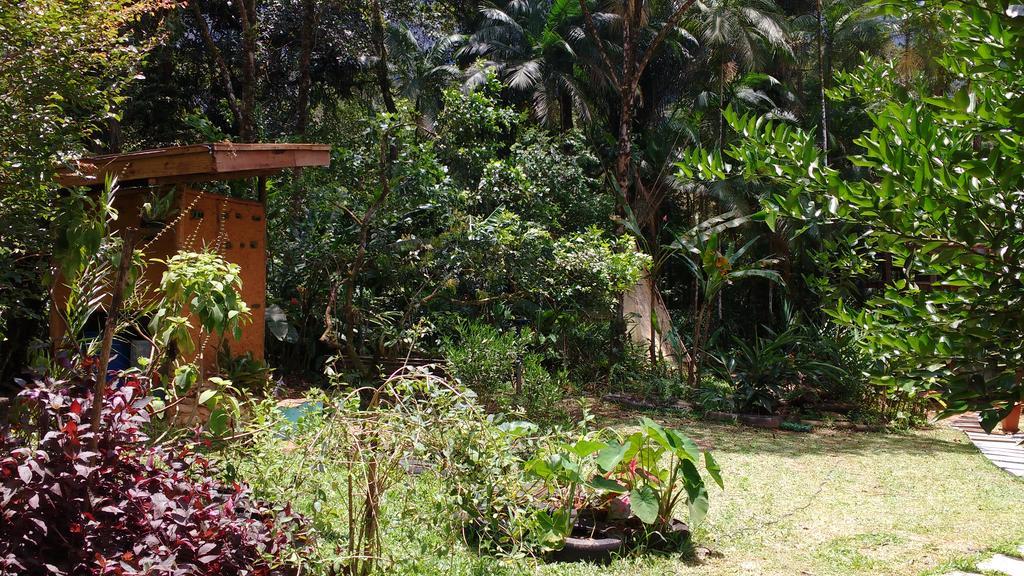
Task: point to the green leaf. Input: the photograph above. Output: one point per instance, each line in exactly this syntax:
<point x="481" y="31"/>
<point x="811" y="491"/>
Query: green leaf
<point x="610" y="456"/>
<point x="696" y="493"/>
<point x="552" y="528"/>
<point x="218" y="423"/>
<point x="643" y="502"/>
<point x="714" y="470"/>
<point x="585" y="447"/>
<point x="608" y="485"/>
<point x="206" y="396"/>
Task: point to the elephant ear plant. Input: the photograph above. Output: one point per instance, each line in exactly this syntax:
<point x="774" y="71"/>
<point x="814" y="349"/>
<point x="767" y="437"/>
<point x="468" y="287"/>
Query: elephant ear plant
<point x="633" y="482"/>
<point x="656" y="468"/>
<point x="564" y="474"/>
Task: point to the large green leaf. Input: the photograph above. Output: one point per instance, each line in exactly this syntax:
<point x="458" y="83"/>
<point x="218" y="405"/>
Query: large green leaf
<point x="610" y="456"/>
<point x="608" y="485"/>
<point x="686" y="448"/>
<point x="671" y="440"/>
<point x="585" y="447"/>
<point x="696" y="492"/>
<point x="643" y="502"/>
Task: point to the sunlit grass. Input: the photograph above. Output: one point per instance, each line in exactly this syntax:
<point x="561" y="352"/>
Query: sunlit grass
<point x="852" y="503"/>
<point x="822" y="503"/>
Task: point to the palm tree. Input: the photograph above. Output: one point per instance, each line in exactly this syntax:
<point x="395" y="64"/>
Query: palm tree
<point x="837" y="32"/>
<point x="537" y="47"/>
<point x="737" y="36"/>
<point x="421" y="74"/>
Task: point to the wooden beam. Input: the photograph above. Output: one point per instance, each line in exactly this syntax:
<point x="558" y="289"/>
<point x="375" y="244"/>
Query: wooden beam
<point x="197" y="163"/>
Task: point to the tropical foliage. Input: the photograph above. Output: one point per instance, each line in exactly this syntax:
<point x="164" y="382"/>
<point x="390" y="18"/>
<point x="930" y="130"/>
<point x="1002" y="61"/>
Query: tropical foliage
<point x="936" y="195"/>
<point x="744" y="210"/>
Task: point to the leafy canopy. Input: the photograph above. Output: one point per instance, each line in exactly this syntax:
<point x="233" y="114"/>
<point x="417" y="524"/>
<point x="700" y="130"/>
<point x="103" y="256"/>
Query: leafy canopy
<point x="938" y="190"/>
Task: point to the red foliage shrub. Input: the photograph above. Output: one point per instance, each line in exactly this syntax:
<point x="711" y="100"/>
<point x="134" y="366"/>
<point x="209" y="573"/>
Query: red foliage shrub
<point x="128" y="509"/>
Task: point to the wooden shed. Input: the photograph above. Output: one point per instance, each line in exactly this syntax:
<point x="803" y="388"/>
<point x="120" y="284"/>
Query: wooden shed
<point x="233" y="226"/>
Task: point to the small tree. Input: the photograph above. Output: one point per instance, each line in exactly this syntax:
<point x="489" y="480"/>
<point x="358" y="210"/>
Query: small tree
<point x="714" y="266"/>
<point x="207" y="287"/>
<point x="942" y="196"/>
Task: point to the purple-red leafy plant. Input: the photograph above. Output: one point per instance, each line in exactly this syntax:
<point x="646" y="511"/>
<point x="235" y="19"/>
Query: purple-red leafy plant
<point x="127" y="508"/>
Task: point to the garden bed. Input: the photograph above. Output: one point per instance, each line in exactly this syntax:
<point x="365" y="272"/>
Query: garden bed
<point x="774" y="422"/>
<point x="595" y="539"/>
<point x="641" y="403"/>
<point x="752" y="420"/>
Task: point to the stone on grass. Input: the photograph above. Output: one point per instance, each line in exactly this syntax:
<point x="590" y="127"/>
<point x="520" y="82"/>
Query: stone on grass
<point x="1004" y="564"/>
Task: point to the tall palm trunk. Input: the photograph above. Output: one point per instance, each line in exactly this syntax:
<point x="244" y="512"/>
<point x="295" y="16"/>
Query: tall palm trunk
<point x="822" y="77"/>
<point x="565" y="111"/>
<point x="721" y="105"/>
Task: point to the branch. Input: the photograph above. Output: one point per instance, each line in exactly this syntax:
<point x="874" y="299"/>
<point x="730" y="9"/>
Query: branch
<point x="670" y="24"/>
<point x="109" y="327"/>
<point x="592" y="32"/>
<point x="222" y="66"/>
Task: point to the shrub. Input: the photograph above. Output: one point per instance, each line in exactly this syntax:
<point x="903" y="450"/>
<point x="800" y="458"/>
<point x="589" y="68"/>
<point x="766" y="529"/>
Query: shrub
<point x="483" y="462"/>
<point x="716" y="395"/>
<point x="247" y="373"/>
<point x="127" y="508"/>
<point x="346" y="467"/>
<point x="837" y="346"/>
<point x="636" y="374"/>
<point x="484" y="359"/>
<point x="775" y="370"/>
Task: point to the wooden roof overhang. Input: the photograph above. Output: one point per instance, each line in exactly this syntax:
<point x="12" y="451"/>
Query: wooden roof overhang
<point x="196" y="163"/>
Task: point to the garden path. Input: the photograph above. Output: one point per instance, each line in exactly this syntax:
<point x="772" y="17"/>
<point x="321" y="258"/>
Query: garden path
<point x="1000" y="564"/>
<point x="1007" y="452"/>
<point x="1004" y="450"/>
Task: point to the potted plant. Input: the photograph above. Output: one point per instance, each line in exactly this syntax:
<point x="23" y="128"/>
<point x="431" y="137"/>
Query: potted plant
<point x="1011" y="423"/>
<point x="608" y="496"/>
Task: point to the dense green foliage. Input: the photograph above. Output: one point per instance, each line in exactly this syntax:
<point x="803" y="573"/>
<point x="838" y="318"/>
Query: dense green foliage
<point x="937" y="194"/>
<point x="480" y="168"/>
<point x="66" y="66"/>
<point x="781" y="210"/>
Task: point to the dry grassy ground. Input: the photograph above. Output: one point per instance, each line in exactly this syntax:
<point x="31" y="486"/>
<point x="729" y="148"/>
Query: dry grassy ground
<point x="831" y="503"/>
<point x="824" y="504"/>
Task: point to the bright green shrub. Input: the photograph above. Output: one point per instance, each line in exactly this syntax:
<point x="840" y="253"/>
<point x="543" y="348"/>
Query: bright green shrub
<point x="484" y="360"/>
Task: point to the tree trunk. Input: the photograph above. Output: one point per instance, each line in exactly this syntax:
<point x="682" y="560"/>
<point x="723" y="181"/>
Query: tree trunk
<point x="302" y="103"/>
<point x="113" y="136"/>
<point x="565" y="110"/>
<point x="627" y="95"/>
<point x="222" y="66"/>
<point x="627" y="80"/>
<point x="721" y="105"/>
<point x="383" y="78"/>
<point x="247" y="15"/>
<point x="305" y="55"/>
<point x="822" y="79"/>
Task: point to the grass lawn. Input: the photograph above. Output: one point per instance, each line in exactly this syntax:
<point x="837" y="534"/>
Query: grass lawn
<point x="851" y="503"/>
<point x="824" y="503"/>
